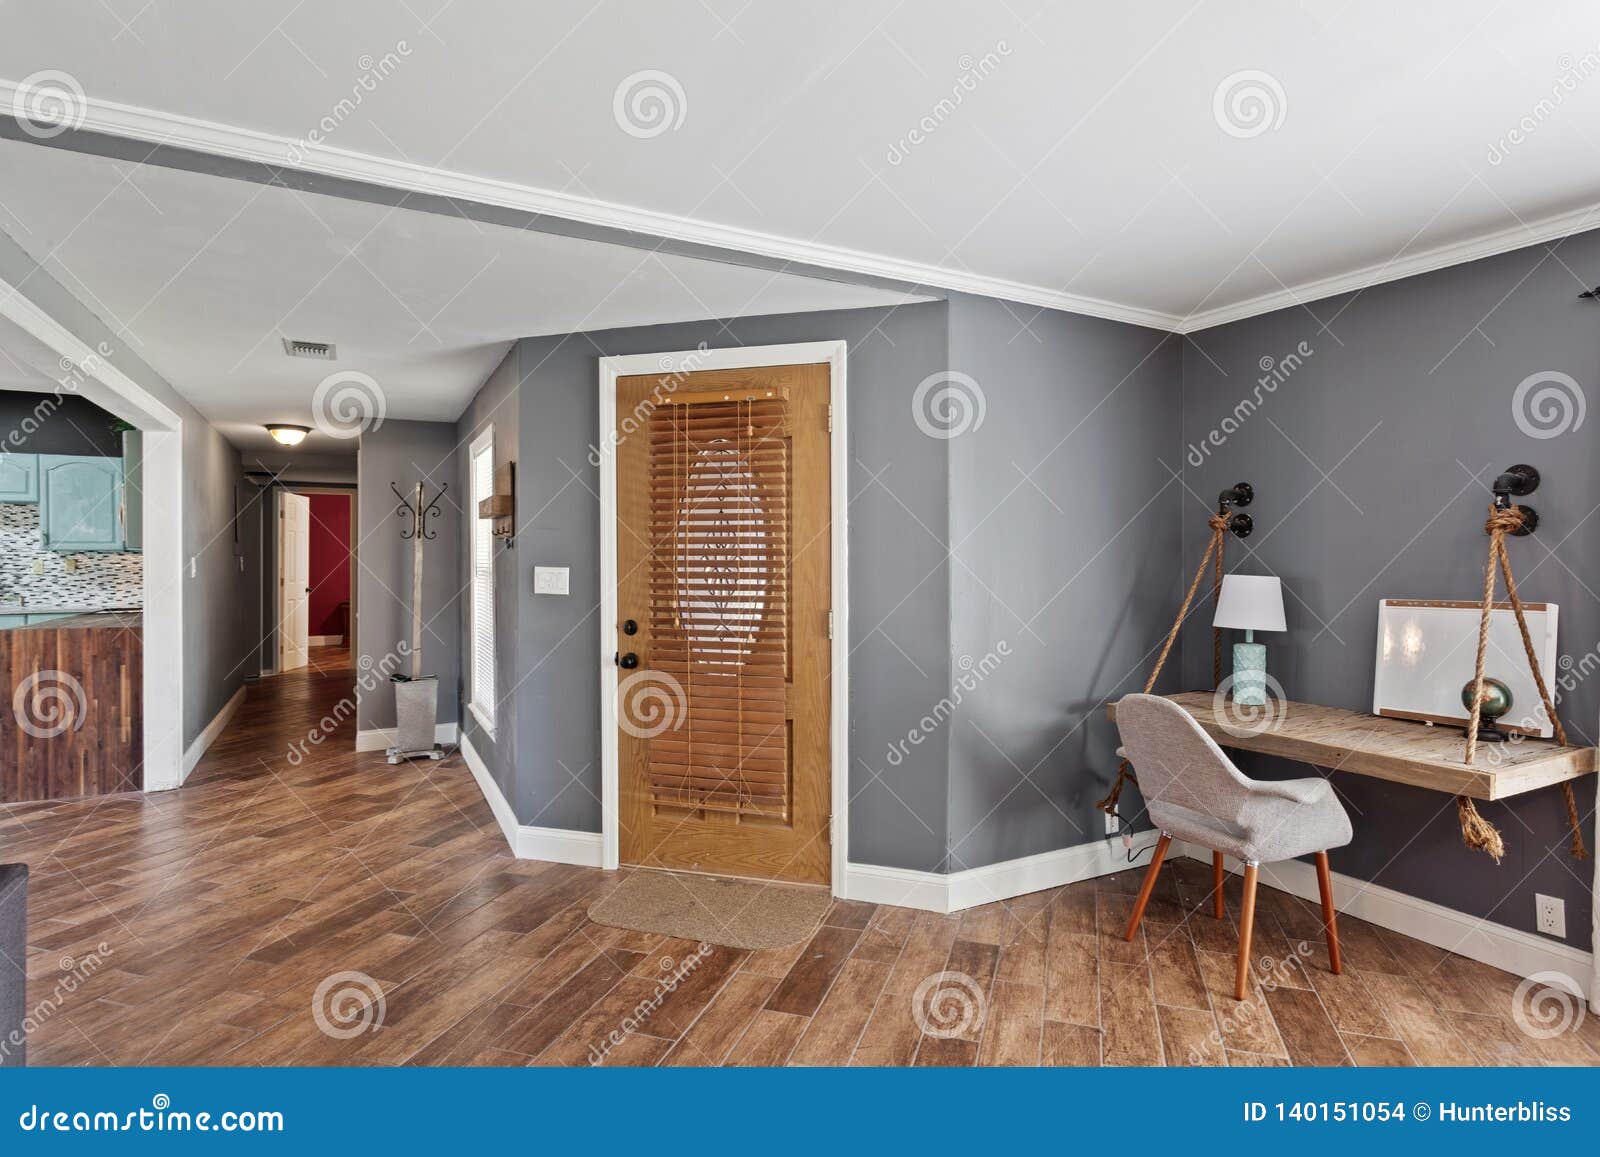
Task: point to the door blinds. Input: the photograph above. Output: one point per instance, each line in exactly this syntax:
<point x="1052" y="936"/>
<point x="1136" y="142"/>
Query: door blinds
<point x="719" y="601"/>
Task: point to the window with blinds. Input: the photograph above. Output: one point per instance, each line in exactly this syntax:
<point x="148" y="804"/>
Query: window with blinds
<point x="719" y="602"/>
<point x="482" y="698"/>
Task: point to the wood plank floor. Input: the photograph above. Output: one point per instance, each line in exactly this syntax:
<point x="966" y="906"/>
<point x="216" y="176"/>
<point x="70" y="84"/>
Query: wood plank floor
<point x="232" y="921"/>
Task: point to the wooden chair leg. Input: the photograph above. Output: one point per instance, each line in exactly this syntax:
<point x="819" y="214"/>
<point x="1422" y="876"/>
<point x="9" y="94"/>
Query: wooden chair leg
<point x="1148" y="886"/>
<point x="1217" y="908"/>
<point x="1247" y="921"/>
<point x="1330" y="926"/>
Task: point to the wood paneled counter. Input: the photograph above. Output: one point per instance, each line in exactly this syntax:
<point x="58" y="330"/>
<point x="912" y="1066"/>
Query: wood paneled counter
<point x="71" y="718"/>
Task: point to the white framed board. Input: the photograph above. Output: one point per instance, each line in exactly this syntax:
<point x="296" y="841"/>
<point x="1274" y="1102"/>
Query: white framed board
<point x="1427" y="649"/>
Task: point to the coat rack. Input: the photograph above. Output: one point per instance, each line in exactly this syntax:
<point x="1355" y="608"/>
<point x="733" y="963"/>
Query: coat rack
<point x="416" y="512"/>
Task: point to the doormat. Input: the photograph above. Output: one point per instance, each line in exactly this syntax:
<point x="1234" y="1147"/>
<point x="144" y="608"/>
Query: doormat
<point x="733" y="913"/>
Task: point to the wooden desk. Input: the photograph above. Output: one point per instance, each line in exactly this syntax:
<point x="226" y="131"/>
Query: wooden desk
<point x="1394" y="749"/>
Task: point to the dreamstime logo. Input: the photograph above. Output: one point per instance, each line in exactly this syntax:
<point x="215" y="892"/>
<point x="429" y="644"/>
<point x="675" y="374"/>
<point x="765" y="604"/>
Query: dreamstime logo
<point x="972" y="73"/>
<point x="948" y="404"/>
<point x="1271" y="974"/>
<point x="973" y="673"/>
<point x="1548" y="404"/>
<point x="1544" y="1006"/>
<point x="649" y="703"/>
<point x="1249" y="103"/>
<point x="1274" y="373"/>
<point x="1243" y="720"/>
<point x="1572" y="74"/>
<point x="370" y="73"/>
<point x="674" y="973"/>
<point x="347" y="1004"/>
<point x="75" y="972"/>
<point x="347" y="404"/>
<point x="373" y="674"/>
<point x="649" y="103"/>
<point x="50" y="703"/>
<point x="677" y="372"/>
<point x="949" y="1004"/>
<point x="48" y="103"/>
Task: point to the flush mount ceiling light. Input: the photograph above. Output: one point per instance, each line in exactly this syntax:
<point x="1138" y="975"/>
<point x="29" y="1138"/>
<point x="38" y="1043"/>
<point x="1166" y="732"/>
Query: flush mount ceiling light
<point x="288" y="435"/>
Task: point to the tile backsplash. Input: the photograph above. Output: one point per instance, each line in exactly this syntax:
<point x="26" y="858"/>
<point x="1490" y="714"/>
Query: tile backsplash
<point x="101" y="580"/>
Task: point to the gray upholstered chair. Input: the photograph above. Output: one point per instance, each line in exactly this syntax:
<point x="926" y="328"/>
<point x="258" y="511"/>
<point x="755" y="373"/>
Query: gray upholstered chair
<point x="1193" y="792"/>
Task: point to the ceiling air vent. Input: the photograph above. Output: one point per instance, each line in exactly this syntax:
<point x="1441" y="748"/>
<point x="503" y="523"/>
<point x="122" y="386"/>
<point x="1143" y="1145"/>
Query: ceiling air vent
<point x="318" y="350"/>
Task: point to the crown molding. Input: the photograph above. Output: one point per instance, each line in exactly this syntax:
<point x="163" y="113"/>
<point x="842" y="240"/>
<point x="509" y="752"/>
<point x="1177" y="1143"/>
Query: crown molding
<point x="1518" y="236"/>
<point x="155" y="127"/>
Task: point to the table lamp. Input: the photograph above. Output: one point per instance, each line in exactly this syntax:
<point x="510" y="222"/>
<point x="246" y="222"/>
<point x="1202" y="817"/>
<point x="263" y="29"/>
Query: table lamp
<point x="1250" y="603"/>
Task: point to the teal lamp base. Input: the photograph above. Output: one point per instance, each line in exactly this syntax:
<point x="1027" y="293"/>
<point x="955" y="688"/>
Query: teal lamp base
<point x="1250" y="674"/>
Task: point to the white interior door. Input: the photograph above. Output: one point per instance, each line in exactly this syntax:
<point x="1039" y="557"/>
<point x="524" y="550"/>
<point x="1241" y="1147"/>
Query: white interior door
<point x="294" y="577"/>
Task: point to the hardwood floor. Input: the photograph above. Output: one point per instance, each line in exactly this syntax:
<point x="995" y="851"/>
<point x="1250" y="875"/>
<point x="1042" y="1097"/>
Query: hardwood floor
<point x="229" y="921"/>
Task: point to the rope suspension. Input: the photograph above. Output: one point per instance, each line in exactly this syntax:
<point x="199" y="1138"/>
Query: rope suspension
<point x="1219" y="524"/>
<point x="1476" y="832"/>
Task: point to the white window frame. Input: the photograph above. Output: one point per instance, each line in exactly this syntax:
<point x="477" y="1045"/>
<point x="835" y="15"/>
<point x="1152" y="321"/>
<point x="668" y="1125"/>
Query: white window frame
<point x="482" y="530"/>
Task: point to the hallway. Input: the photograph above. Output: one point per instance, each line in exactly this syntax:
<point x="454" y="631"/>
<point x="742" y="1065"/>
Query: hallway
<point x="198" y="927"/>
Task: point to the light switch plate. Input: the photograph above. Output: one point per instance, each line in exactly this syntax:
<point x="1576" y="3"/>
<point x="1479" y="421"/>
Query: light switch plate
<point x="549" y="580"/>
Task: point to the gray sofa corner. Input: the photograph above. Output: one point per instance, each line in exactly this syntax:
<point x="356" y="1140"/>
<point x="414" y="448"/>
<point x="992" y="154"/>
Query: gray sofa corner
<point x="13" y="963"/>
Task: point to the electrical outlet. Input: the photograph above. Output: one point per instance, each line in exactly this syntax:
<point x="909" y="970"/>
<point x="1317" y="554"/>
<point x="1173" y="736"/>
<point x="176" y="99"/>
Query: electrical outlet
<point x="1113" y="824"/>
<point x="1552" y="914"/>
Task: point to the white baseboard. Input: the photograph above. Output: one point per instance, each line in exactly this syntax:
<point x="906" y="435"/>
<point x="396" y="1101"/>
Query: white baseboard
<point x="498" y="804"/>
<point x="557" y="845"/>
<point x="900" y="887"/>
<point x="192" y="753"/>
<point x="938" y="892"/>
<point x="1520" y="953"/>
<point x="383" y="738"/>
<point x="323" y="640"/>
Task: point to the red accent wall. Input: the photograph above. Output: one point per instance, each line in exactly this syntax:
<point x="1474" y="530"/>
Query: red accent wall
<point x="330" y="562"/>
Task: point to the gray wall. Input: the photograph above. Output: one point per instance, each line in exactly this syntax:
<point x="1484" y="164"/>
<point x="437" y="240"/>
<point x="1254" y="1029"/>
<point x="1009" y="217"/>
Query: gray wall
<point x="496" y="405"/>
<point x="1064" y="527"/>
<point x="405" y="453"/>
<point x="217" y="628"/>
<point x="1424" y="370"/>
<point x="71" y="425"/>
<point x="899" y="595"/>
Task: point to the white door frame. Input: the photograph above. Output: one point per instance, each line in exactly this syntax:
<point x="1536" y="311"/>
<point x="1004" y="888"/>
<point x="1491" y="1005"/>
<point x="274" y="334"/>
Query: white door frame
<point x="693" y="361"/>
<point x="88" y="371"/>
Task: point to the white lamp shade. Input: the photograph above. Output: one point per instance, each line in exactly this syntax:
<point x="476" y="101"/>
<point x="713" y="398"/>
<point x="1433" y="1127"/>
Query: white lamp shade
<point x="1250" y="602"/>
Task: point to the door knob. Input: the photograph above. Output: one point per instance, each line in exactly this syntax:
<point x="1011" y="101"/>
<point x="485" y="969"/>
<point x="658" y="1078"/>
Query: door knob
<point x="629" y="627"/>
<point x="628" y="662"/>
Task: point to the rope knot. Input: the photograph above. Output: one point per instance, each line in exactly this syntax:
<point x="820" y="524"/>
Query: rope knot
<point x="1218" y="522"/>
<point x="1503" y="520"/>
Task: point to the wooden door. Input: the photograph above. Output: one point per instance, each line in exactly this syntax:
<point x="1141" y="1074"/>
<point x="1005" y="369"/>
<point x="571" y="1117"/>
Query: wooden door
<point x="294" y="578"/>
<point x="724" y="563"/>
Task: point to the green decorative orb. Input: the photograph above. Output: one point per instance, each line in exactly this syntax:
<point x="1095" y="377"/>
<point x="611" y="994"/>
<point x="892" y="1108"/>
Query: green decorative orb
<point x="1496" y="698"/>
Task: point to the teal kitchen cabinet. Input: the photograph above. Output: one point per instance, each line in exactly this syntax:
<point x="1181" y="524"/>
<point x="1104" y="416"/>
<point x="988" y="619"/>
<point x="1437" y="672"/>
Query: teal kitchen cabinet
<point x="80" y="503"/>
<point x="133" y="490"/>
<point x="19" y="478"/>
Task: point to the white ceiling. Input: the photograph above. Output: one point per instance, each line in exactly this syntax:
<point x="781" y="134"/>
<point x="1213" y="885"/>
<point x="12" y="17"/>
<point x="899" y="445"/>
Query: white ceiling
<point x="1088" y="164"/>
<point x="25" y="361"/>
<point x="206" y="275"/>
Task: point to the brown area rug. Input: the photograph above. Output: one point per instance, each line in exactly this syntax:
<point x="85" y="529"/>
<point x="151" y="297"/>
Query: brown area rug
<point x="733" y="913"/>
